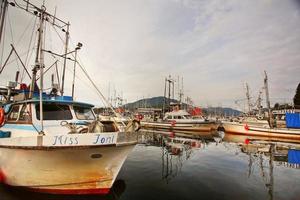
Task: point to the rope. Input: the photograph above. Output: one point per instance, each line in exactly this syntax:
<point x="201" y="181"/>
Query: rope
<point x="98" y="91"/>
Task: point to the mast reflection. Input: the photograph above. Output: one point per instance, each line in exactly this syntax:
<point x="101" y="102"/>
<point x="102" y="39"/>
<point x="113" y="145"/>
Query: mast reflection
<point x="176" y="148"/>
<point x="265" y="154"/>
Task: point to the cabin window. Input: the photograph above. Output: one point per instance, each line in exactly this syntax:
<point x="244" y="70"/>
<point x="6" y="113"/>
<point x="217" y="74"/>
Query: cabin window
<point x="24" y="114"/>
<point x="14" y="113"/>
<point x="19" y="113"/>
<point x="179" y="117"/>
<point x="54" y="112"/>
<point x="83" y="113"/>
<point x="169" y="117"/>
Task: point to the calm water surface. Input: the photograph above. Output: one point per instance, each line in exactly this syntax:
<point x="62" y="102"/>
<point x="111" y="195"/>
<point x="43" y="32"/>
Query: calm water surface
<point x="214" y="166"/>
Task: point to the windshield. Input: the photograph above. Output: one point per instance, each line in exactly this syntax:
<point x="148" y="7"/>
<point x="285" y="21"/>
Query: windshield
<point x="187" y="117"/>
<point x="83" y="113"/>
<point x="54" y="111"/>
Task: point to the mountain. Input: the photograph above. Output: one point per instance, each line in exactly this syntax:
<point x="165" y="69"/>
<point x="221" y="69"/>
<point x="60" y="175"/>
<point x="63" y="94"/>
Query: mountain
<point x="154" y="102"/>
<point x="222" y="111"/>
<point x="157" y="102"/>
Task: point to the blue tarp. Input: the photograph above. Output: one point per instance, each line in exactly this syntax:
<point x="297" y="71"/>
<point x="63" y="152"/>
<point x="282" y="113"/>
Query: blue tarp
<point x="294" y="156"/>
<point x="292" y="120"/>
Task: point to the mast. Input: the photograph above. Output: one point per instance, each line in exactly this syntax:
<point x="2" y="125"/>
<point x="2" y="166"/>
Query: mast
<point x="40" y="64"/>
<point x="181" y="91"/>
<point x="169" y="92"/>
<point x="164" y="104"/>
<point x="37" y="55"/>
<point x="79" y="45"/>
<point x="259" y="103"/>
<point x="248" y="98"/>
<point x="65" y="59"/>
<point x="268" y="99"/>
<point x="3" y="10"/>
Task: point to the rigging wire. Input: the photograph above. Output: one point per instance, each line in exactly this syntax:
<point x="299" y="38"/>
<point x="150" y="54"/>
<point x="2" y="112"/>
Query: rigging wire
<point x="58" y="34"/>
<point x="4" y="27"/>
<point x="99" y="92"/>
<point x="54" y="28"/>
<point x="84" y="82"/>
<point x="28" y="57"/>
<point x="24" y="6"/>
<point x="25" y="30"/>
<point x="12" y="37"/>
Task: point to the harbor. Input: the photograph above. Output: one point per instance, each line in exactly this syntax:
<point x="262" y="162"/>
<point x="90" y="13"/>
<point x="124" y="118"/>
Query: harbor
<point x="96" y="109"/>
<point x="210" y="168"/>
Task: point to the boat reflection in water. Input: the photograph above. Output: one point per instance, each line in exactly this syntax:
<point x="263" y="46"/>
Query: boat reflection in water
<point x="176" y="148"/>
<point x="12" y="193"/>
<point x="264" y="154"/>
<point x="266" y="157"/>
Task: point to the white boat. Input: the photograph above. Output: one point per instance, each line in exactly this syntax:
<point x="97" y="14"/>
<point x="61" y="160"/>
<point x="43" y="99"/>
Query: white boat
<point x="180" y="120"/>
<point x="245" y="129"/>
<point x="53" y="144"/>
<point x="72" y="156"/>
<point x="273" y="126"/>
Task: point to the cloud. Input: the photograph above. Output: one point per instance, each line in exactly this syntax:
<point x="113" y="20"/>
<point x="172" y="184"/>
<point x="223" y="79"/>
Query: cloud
<point x="215" y="45"/>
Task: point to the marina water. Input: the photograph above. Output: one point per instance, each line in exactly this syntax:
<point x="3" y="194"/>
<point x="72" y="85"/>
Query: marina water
<point x="171" y="166"/>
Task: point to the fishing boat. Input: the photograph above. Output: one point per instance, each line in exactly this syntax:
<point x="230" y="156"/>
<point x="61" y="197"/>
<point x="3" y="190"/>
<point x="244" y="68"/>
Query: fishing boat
<point x="181" y="120"/>
<point x="175" y="118"/>
<point x="244" y="128"/>
<point x="51" y="143"/>
<point x="270" y="126"/>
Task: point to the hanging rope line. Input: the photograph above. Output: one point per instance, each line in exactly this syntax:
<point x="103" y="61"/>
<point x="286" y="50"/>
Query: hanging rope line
<point x="98" y="91"/>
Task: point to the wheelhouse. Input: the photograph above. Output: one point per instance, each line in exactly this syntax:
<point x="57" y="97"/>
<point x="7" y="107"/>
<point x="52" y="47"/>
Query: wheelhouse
<point x="29" y="111"/>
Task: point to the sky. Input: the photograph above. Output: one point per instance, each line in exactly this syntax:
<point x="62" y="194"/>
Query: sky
<point x="216" y="46"/>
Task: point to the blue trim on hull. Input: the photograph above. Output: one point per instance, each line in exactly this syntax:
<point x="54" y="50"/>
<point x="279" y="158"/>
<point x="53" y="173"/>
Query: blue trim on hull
<point x="20" y="127"/>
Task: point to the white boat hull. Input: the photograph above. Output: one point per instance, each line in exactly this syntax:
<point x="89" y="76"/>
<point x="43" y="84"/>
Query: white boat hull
<point x="245" y="129"/>
<point x="52" y="166"/>
<point x="63" y="171"/>
<point x="193" y="127"/>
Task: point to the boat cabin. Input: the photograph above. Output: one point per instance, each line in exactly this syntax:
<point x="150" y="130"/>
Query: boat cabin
<point x="59" y="116"/>
<point x="182" y="116"/>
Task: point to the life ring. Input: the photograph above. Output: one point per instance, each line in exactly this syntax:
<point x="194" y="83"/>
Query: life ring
<point x="2" y="116"/>
<point x="260" y="117"/>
